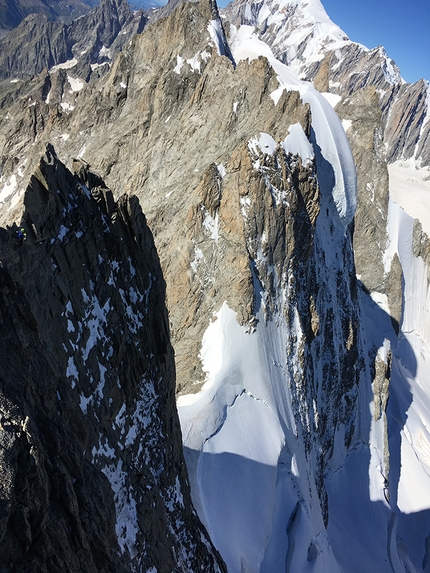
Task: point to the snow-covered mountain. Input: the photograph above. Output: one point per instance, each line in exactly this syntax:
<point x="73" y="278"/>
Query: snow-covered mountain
<point x="301" y="387"/>
<point x="301" y="35"/>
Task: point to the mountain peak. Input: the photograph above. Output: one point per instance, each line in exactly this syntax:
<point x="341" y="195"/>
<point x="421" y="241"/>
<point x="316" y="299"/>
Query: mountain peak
<point x="296" y="30"/>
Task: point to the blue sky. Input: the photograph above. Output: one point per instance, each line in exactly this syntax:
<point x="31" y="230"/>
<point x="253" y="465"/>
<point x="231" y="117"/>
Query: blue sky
<point x="402" y="27"/>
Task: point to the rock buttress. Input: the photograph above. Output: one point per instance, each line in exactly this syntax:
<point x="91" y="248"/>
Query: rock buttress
<point x="93" y="477"/>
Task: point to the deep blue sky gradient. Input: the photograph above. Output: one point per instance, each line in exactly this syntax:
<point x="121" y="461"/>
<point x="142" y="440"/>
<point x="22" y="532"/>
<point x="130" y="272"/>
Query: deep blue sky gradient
<point x="401" y="26"/>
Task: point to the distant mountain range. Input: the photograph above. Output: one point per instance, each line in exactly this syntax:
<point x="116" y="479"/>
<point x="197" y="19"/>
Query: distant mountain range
<point x="12" y="12"/>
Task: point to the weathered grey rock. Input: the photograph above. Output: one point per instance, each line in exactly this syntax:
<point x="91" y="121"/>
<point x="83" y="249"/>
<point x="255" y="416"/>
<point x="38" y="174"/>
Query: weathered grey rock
<point x="93" y="475"/>
<point x="421" y="244"/>
<point x="406" y="133"/>
<point x="394" y="285"/>
<point x="381" y="393"/>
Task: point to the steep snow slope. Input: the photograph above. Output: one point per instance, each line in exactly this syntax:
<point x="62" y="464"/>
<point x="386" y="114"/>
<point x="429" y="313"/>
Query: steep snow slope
<point x="410" y="188"/>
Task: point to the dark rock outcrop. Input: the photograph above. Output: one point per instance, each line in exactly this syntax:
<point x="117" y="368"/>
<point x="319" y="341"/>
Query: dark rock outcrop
<point x="93" y="476"/>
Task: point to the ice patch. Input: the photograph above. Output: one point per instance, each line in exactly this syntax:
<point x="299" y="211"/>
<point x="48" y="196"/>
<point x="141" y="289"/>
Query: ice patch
<point x="221" y="170"/>
<point x="127" y="524"/>
<point x="62" y="232"/>
<point x="210" y="224"/>
<point x="66" y="106"/>
<point x="105" y="53"/>
<point x="262" y="144"/>
<point x="64" y="66"/>
<point x="217" y="35"/>
<point x="95" y="319"/>
<point x="76" y="84"/>
<point x="346" y="124"/>
<point x="198" y="256"/>
<point x="8" y="188"/>
<point x="179" y="63"/>
<point x="333" y="99"/>
<point x="72" y="371"/>
<point x="297" y="143"/>
<point x="84" y="402"/>
<point x="194" y="63"/>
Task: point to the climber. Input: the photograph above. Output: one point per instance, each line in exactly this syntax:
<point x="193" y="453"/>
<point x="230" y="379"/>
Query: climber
<point x="20" y="235"/>
<point x="386" y="489"/>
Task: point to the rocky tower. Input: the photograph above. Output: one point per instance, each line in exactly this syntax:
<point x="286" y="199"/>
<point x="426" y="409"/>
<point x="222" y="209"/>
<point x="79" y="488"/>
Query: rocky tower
<point x="93" y="476"/>
<point x="385" y="118"/>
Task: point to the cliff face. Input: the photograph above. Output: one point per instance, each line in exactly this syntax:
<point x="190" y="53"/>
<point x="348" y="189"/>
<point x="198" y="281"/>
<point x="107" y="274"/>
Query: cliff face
<point x="92" y="464"/>
<point x="249" y="189"/>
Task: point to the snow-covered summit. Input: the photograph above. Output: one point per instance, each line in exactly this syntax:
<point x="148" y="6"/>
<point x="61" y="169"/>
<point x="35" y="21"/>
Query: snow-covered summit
<point x="297" y="30"/>
<point x="301" y="33"/>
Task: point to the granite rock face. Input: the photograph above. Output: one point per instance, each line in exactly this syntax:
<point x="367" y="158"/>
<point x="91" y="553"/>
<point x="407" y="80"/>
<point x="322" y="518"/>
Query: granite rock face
<point x="363" y="119"/>
<point x="407" y="129"/>
<point x="93" y="476"/>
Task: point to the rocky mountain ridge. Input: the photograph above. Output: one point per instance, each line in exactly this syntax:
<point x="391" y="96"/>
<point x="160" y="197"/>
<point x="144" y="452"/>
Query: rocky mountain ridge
<point x="92" y="465"/>
<point x="12" y="12"/>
